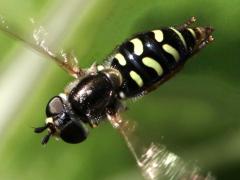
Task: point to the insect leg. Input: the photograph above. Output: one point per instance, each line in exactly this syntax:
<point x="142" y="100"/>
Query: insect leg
<point x="207" y="41"/>
<point x="204" y="37"/>
<point x="125" y="127"/>
<point x="187" y="23"/>
<point x="115" y="120"/>
<point x="69" y="63"/>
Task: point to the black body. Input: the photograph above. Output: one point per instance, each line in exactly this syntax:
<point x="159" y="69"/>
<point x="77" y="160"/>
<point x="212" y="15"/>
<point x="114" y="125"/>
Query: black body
<point x="136" y="67"/>
<point x="152" y="49"/>
<point x="92" y="97"/>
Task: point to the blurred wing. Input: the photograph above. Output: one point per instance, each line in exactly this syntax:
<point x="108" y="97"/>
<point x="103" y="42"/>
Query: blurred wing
<point x="155" y="161"/>
<point x="66" y="61"/>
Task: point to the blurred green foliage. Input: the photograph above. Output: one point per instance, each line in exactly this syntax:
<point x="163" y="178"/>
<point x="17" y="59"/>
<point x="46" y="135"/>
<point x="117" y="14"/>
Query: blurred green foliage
<point x="196" y="114"/>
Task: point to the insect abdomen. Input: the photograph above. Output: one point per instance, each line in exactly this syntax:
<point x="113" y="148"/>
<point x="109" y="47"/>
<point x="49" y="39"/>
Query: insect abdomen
<point x="150" y="58"/>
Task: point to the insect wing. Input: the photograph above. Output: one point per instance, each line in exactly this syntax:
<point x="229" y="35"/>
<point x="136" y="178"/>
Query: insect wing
<point x="66" y="61"/>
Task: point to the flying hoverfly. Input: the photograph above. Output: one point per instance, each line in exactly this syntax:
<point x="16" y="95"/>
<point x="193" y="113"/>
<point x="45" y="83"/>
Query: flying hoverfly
<point x="136" y="67"/>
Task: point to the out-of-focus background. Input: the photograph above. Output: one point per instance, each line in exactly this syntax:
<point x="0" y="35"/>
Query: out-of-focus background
<point x="195" y="115"/>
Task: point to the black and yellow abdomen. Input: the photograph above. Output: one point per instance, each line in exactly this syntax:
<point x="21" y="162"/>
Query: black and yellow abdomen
<point x="137" y="66"/>
<point x="152" y="57"/>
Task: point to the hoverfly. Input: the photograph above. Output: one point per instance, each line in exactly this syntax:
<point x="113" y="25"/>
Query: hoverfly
<point x="135" y="68"/>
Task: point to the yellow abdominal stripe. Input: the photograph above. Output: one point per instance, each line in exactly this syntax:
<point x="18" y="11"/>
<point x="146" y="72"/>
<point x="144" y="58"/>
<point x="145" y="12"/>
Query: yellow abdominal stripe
<point x="149" y="62"/>
<point x="180" y="36"/>
<point x="138" y="46"/>
<point x="171" y="50"/>
<point x="158" y="35"/>
<point x="137" y="78"/>
<point x="120" y="58"/>
<point x="192" y="32"/>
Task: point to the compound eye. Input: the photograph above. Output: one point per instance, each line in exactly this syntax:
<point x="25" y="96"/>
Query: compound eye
<point x="54" y="107"/>
<point x="74" y="132"/>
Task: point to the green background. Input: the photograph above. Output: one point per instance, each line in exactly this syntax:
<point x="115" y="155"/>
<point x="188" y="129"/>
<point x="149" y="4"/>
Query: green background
<point x="195" y="114"/>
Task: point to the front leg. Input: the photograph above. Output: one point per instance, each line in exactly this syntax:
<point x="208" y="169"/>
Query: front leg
<point x="69" y="63"/>
<point x="126" y="128"/>
<point x="187" y="23"/>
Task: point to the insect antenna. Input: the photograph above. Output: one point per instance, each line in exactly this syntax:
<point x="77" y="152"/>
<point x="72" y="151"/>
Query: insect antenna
<point x="46" y="138"/>
<point x="41" y="129"/>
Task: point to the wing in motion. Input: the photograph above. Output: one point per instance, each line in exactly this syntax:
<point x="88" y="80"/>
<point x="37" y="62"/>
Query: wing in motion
<point x="66" y="61"/>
